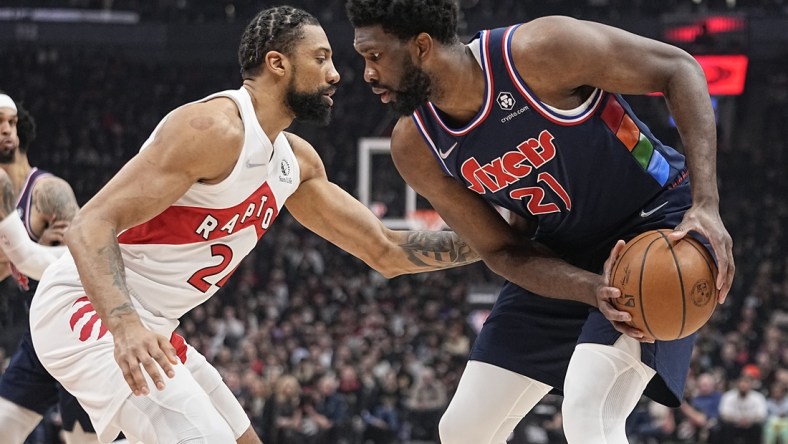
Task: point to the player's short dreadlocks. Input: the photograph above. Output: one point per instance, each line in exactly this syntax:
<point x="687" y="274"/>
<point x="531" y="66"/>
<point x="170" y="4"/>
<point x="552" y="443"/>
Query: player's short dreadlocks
<point x="273" y="29"/>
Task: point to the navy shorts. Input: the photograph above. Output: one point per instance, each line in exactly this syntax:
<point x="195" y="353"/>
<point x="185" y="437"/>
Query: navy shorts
<point x="531" y="335"/>
<point x="536" y="336"/>
<point x="26" y="383"/>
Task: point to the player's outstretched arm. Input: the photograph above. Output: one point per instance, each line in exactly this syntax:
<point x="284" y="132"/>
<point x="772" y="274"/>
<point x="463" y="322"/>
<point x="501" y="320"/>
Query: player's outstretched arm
<point x="30" y="258"/>
<point x="337" y="216"/>
<point x="183" y="152"/>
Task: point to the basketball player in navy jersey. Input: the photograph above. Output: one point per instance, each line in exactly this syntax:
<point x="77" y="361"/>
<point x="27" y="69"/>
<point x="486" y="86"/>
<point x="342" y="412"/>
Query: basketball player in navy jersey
<point x="45" y="221"/>
<point x="530" y="118"/>
<point x="36" y="206"/>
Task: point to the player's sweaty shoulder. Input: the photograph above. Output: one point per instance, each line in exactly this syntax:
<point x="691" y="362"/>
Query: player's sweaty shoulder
<point x="405" y="137"/>
<point x="412" y="156"/>
<point x="205" y="138"/>
<point x="218" y="117"/>
<point x="544" y="52"/>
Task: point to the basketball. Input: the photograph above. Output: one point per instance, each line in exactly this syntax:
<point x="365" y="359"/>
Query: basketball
<point x="668" y="288"/>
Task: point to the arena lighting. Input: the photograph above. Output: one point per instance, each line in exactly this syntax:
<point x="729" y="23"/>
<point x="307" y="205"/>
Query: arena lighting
<point x="708" y="26"/>
<point x="56" y="15"/>
<point x="725" y="74"/>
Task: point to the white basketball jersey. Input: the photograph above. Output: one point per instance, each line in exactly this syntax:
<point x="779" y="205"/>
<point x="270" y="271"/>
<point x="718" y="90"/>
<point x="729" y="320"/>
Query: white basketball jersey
<point x="181" y="257"/>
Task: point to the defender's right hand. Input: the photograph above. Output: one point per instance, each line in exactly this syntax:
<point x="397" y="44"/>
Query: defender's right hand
<point x="137" y="346"/>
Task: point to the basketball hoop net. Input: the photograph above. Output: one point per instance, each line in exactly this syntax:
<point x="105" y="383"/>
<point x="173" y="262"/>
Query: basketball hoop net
<point x="428" y="220"/>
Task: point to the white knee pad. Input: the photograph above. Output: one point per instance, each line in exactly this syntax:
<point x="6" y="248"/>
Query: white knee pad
<point x="222" y="398"/>
<point x="489" y="403"/>
<point x="602" y="387"/>
<point x="16" y="422"/>
<point x="181" y="413"/>
<point x="79" y="436"/>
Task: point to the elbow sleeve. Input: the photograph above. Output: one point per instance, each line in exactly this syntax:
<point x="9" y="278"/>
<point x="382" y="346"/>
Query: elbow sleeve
<point x="30" y="258"/>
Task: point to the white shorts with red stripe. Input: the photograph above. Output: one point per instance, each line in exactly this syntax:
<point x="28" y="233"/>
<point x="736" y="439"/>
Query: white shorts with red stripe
<point x="78" y="351"/>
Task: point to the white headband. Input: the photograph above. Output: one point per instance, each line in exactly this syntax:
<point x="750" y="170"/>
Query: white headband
<point x="7" y="102"/>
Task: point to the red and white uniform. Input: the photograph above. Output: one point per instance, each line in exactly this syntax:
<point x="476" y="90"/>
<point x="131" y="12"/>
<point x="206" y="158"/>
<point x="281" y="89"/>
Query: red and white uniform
<point x="173" y="263"/>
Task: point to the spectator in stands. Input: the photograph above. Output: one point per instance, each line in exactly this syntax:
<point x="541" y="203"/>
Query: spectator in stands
<point x="350" y="386"/>
<point x="334" y="408"/>
<point x="650" y="422"/>
<point x="382" y="421"/>
<point x="730" y="357"/>
<point x="253" y="397"/>
<point x="702" y="410"/>
<point x="426" y="402"/>
<point x="313" y="426"/>
<point x="776" y="428"/>
<point x="281" y="415"/>
<point x="742" y="413"/>
<point x="456" y="342"/>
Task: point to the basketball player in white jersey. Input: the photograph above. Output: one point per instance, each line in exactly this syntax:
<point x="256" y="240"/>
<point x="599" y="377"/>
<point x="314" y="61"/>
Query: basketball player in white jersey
<point x="169" y="229"/>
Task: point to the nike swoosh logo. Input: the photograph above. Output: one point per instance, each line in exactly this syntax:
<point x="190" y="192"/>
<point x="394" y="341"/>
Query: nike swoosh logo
<point x="652" y="211"/>
<point x="445" y="154"/>
<point x="255" y="165"/>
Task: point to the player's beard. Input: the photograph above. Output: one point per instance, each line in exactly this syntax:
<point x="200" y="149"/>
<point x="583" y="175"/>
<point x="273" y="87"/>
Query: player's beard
<point x="7" y="157"/>
<point x="309" y="106"/>
<point x="415" y="89"/>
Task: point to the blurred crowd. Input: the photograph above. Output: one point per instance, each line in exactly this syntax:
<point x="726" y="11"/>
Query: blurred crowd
<point x="319" y="349"/>
<point x="229" y="10"/>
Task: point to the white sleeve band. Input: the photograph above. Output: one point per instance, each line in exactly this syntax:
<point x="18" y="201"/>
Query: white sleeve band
<point x="30" y="258"/>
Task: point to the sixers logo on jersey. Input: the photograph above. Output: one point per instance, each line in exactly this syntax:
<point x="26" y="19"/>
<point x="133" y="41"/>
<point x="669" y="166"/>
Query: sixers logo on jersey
<point x="515" y="165"/>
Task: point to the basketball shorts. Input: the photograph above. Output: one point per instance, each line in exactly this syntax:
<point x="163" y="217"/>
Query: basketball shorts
<point x="78" y="351"/>
<point x="26" y="383"/>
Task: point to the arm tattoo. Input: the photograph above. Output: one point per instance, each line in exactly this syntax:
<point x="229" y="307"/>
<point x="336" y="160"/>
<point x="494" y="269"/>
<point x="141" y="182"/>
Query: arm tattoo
<point x="9" y="199"/>
<point x="111" y="253"/>
<point x="115" y="262"/>
<point x="426" y="248"/>
<point x="122" y="310"/>
<point x="55" y="198"/>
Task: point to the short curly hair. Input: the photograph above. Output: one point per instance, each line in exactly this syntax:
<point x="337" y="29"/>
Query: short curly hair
<point x="273" y="29"/>
<point x="25" y="129"/>
<point x="407" y="18"/>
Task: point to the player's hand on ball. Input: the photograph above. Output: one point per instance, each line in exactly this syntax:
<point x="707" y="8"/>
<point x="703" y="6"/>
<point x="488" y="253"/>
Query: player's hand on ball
<point x="606" y="294"/>
<point x="709" y="224"/>
<point x="136" y="348"/>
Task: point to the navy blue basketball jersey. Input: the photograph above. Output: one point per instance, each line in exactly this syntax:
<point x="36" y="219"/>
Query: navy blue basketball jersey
<point x="23" y="203"/>
<point x="578" y="173"/>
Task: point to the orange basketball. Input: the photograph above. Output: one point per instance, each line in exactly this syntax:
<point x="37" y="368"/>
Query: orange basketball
<point x="668" y="288"/>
